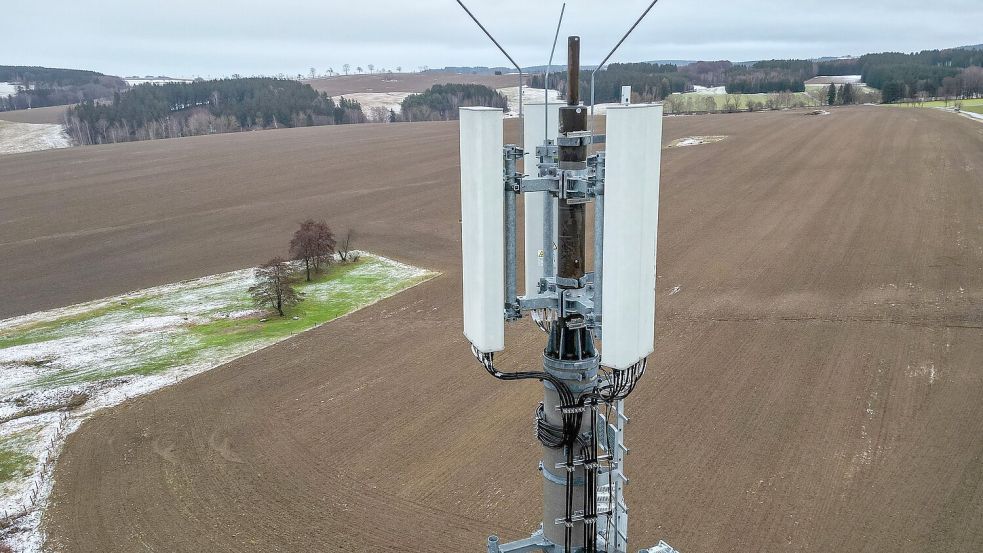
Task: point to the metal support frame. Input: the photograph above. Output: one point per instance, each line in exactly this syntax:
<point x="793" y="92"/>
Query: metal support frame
<point x="511" y="179"/>
<point x="535" y="543"/>
<point x="583" y="296"/>
<point x="571" y="178"/>
<point x="577" y="303"/>
<point x="570" y="357"/>
<point x="597" y="189"/>
<point x="616" y="524"/>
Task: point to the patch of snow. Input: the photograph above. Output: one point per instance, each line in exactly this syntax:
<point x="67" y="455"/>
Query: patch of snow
<point x="836" y="79"/>
<point x="923" y="370"/>
<point x="710" y="91"/>
<point x="694" y="141"/>
<point x="8" y="89"/>
<point x="386" y="100"/>
<point x="601" y="109"/>
<point x="393" y="100"/>
<point x="865" y="456"/>
<point x="16" y="138"/>
<point x="529" y="95"/>
<point x="136" y="82"/>
<point x="50" y="430"/>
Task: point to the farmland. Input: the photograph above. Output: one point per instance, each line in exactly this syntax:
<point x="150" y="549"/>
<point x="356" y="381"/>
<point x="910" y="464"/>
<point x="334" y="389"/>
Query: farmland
<point x="404" y="82"/>
<point x="968" y="105"/>
<point x="98" y="354"/>
<point x="388" y="90"/>
<point x="53" y="115"/>
<point x="30" y="137"/>
<point x="33" y="130"/>
<point x="815" y="384"/>
<point x="698" y="99"/>
<point x="815" y="88"/>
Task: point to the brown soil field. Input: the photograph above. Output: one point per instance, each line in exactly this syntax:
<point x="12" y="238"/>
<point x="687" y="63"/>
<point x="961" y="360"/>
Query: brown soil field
<point x="816" y="384"/>
<point x="54" y="115"/>
<point x="405" y="82"/>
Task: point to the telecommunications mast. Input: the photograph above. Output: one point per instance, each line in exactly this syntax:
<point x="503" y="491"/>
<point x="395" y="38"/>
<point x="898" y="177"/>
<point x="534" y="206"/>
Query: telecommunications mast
<point x="580" y="421"/>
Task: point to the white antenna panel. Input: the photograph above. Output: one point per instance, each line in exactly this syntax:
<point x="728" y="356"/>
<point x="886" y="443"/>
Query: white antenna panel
<point x="631" y="220"/>
<point x="537" y="128"/>
<point x="482" y="227"/>
<point x="626" y="95"/>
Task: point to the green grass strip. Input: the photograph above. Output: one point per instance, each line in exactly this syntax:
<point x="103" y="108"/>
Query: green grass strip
<point x="14" y="461"/>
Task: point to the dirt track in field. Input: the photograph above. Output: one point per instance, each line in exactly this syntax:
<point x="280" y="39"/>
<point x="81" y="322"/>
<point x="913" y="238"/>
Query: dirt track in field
<point x="816" y="384"/>
<point x="404" y="82"/>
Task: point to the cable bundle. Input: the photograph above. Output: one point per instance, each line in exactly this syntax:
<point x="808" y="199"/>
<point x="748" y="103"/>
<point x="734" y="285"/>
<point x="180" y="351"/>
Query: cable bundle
<point x="571" y="417"/>
<point x="616" y="385"/>
<point x="544" y="319"/>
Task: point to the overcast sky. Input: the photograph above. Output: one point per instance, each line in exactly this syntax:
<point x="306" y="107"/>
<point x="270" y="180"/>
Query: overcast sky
<point x="186" y="38"/>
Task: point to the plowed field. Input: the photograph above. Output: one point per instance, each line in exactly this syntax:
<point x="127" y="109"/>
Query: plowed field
<point x="817" y="383"/>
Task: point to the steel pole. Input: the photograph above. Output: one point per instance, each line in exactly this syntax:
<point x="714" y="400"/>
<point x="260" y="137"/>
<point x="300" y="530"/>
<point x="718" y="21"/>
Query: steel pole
<point x="573" y="120"/>
<point x="570" y="355"/>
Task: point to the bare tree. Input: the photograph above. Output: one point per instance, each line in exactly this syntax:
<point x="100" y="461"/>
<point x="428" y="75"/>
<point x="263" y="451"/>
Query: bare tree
<point x="314" y="244"/>
<point x="732" y="103"/>
<point x="345" y="251"/>
<point x="371" y="67"/>
<point x="346" y="68"/>
<point x="786" y="98"/>
<point x="972" y="80"/>
<point x="399" y="68"/>
<point x="710" y="104"/>
<point x="772" y="101"/>
<point x="313" y="73"/>
<point x="379" y="114"/>
<point x="359" y="69"/>
<point x="275" y="286"/>
<point x="672" y="104"/>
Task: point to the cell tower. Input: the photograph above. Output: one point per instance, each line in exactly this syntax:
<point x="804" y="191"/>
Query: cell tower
<point x="580" y="422"/>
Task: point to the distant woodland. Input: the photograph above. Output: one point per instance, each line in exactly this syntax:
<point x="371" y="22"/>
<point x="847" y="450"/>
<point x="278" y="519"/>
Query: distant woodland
<point x="954" y="72"/>
<point x="655" y="82"/>
<point x="441" y="102"/>
<point x="205" y="107"/>
<point x="44" y="86"/>
<point x="107" y="110"/>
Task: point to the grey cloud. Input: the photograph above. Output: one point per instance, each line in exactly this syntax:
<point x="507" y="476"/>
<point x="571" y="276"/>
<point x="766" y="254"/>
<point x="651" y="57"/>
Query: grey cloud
<point x="185" y="37"/>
